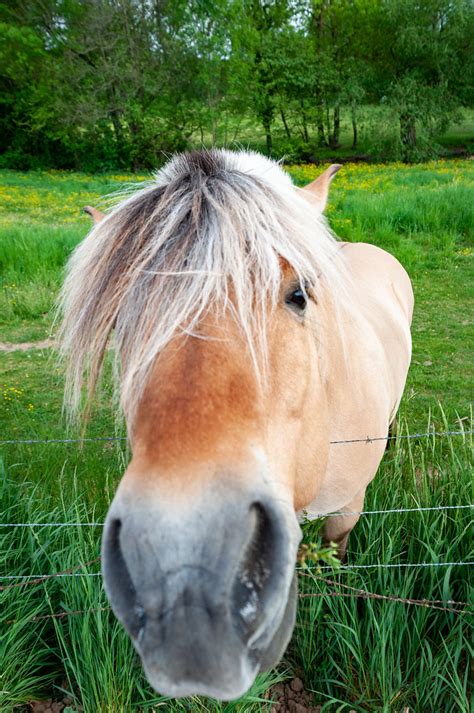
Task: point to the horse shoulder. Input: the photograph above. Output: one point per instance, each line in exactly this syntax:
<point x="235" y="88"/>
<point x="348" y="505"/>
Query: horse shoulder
<point x="365" y="396"/>
<point x="379" y="270"/>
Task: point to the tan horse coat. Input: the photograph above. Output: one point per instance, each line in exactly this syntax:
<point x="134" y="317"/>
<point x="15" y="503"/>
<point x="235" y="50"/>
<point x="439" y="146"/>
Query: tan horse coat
<point x="377" y="341"/>
<point x="383" y="305"/>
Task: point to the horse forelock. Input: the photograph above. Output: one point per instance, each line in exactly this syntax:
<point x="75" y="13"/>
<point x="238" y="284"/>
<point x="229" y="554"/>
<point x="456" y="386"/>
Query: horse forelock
<point x="207" y="233"/>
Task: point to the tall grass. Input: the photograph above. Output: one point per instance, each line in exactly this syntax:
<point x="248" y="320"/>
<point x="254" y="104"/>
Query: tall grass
<point x="353" y="653"/>
<point x="423" y="214"/>
<point x="384" y="655"/>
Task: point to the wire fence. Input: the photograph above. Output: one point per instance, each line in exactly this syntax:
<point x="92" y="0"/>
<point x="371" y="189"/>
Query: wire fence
<point x="366" y="439"/>
<point x="27" y="579"/>
<point x="349" y="592"/>
<point x="455" y="607"/>
<point x="354" y="592"/>
<point x="40" y="578"/>
<point x="360" y="513"/>
<point x="391" y="565"/>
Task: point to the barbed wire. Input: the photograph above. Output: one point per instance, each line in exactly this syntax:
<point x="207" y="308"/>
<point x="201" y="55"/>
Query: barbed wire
<point x="354" y="593"/>
<point x="430" y="434"/>
<point x="52" y="524"/>
<point x="59" y="615"/>
<point x="391" y="565"/>
<point x="35" y="441"/>
<point x="366" y="439"/>
<point x="391" y="511"/>
<point x="39" y="578"/>
<point x="303" y="571"/>
<point x="365" y="594"/>
<point x="333" y="582"/>
<point x="401" y="600"/>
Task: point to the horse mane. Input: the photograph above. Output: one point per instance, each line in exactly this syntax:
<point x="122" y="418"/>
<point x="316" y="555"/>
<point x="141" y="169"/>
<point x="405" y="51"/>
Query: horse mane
<point x="207" y="233"/>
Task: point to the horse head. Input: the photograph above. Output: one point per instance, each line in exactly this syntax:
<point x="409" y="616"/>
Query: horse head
<point x="214" y="281"/>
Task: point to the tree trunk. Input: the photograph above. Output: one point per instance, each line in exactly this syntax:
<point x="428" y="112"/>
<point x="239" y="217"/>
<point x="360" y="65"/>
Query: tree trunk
<point x="267" y="118"/>
<point x="134" y="127"/>
<point x="336" y="127"/>
<point x="355" y="137"/>
<point x="266" y="107"/>
<point x="305" y="124"/>
<point x="328" y="125"/>
<point x="117" y="124"/>
<point x="237" y="128"/>
<point x="285" y="124"/>
<point x="268" y="133"/>
<point x="408" y="130"/>
<point x="320" y="122"/>
<point x="226" y="121"/>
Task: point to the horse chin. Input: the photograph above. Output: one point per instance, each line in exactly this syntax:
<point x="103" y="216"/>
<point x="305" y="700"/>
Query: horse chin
<point x="238" y="674"/>
<point x="234" y="687"/>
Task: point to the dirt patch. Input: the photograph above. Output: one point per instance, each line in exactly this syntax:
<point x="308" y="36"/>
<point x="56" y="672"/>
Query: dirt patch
<point x="26" y="346"/>
<point x="51" y="706"/>
<point x="291" y="697"/>
<point x="288" y="697"/>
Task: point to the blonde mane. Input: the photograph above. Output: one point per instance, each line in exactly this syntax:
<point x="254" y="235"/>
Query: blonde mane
<point x="207" y="233"/>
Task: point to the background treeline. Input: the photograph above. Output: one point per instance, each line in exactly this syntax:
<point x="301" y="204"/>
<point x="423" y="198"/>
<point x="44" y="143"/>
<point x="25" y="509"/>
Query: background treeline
<point x="100" y="84"/>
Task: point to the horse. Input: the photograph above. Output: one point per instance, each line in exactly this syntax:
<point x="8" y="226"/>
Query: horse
<point x="246" y="340"/>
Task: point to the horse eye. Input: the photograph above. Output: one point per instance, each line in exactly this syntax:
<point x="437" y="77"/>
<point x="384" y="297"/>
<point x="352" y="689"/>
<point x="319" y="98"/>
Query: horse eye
<point x="297" y="300"/>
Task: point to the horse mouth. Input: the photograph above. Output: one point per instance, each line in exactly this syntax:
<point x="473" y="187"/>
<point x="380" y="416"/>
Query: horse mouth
<point x="200" y="629"/>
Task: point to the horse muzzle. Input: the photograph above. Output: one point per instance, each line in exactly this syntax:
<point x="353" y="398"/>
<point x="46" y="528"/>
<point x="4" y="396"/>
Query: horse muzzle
<point x="206" y="590"/>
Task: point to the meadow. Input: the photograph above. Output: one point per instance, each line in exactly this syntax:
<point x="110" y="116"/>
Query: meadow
<point x="353" y="653"/>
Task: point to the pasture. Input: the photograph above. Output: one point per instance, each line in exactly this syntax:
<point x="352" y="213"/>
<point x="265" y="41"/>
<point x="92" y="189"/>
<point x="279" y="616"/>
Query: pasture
<point x="353" y="653"/>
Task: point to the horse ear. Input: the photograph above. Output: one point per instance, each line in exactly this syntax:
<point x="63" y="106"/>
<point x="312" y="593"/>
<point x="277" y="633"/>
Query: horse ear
<point x="95" y="214"/>
<point x="317" y="191"/>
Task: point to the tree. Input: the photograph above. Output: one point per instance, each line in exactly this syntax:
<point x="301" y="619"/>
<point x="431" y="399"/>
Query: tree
<point x="255" y="40"/>
<point x="100" y="83"/>
<point x="426" y="67"/>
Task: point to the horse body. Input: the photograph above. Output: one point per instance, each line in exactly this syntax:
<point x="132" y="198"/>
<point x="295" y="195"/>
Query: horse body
<point x="370" y="356"/>
<point x="247" y="340"/>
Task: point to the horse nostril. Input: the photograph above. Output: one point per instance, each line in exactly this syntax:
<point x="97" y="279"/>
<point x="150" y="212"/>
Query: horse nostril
<point x="141" y="618"/>
<point x="118" y="582"/>
<point x="253" y="579"/>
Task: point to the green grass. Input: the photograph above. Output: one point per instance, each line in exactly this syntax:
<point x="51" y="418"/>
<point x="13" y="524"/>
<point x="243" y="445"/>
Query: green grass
<point x="364" y="655"/>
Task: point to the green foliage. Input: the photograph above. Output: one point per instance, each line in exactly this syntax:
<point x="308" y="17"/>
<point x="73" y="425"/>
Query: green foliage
<point x="419" y="73"/>
<point x="87" y="655"/>
<point x="362" y="654"/>
<point x="314" y="555"/>
<point x="102" y="85"/>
